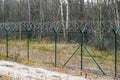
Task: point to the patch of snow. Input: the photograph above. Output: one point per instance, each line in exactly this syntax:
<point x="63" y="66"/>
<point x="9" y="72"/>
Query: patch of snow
<point x="22" y="72"/>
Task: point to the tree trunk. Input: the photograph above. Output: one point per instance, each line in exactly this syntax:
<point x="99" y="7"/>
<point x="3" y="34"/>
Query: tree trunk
<point x="3" y="7"/>
<point x="62" y="19"/>
<point x="117" y="14"/>
<point x="41" y="18"/>
<point x="20" y="26"/>
<point x="67" y="19"/>
<point x="29" y="11"/>
<point x="67" y="14"/>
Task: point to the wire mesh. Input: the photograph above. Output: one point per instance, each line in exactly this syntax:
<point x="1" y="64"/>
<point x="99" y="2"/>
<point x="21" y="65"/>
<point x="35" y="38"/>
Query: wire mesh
<point x="100" y="43"/>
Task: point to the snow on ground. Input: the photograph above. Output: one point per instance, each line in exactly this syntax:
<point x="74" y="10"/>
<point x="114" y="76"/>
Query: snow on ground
<point x="22" y="72"/>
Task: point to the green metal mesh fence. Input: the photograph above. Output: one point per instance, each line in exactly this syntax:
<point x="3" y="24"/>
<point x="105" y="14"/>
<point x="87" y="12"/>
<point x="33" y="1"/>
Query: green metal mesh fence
<point x="100" y="44"/>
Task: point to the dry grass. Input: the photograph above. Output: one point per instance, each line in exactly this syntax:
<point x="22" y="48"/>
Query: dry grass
<point x="42" y="54"/>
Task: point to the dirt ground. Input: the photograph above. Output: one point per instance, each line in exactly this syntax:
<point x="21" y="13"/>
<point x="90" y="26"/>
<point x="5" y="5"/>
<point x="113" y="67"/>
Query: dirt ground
<point x="42" y="55"/>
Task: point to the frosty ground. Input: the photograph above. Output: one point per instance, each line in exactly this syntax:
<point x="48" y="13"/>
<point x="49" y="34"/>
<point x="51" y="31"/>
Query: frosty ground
<point x="21" y="72"/>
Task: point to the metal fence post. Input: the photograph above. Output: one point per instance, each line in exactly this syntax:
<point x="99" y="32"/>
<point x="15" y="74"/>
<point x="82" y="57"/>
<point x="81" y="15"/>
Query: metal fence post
<point x="56" y="35"/>
<point x="55" y="49"/>
<point x="6" y="27"/>
<point x="89" y="53"/>
<point x="81" y="43"/>
<point x="115" y="55"/>
<point x="7" y="43"/>
<point x="115" y="52"/>
<point x="28" y="45"/>
<point x="29" y="34"/>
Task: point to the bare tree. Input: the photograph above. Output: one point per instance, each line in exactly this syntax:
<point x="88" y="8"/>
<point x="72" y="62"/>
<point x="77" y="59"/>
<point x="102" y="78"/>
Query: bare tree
<point x="117" y="13"/>
<point x="29" y="10"/>
<point x="62" y="18"/>
<point x="67" y="14"/>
